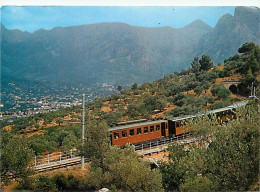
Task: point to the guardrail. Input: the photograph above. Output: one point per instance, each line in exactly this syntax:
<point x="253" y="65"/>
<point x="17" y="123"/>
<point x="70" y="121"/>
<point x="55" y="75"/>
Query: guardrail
<point x="41" y="160"/>
<point x="58" y="164"/>
<point x="163" y="141"/>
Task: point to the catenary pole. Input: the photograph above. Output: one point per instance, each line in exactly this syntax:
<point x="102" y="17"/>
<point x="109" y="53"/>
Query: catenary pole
<point x="83" y="129"/>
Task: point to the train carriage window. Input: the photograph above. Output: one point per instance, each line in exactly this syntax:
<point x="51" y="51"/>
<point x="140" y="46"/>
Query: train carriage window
<point x="151" y="128"/>
<point x="131" y="132"/>
<point x="124" y="133"/>
<point x="177" y="124"/>
<point x="157" y="127"/>
<point x="139" y="131"/>
<point x="145" y="129"/>
<point x="116" y="135"/>
<point x="166" y="126"/>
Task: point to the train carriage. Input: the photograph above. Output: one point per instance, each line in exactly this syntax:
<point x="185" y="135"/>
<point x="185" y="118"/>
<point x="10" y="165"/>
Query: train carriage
<point x="177" y="125"/>
<point x="138" y="132"/>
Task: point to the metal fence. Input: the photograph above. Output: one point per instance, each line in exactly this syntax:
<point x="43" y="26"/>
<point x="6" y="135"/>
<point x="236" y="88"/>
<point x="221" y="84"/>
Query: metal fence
<point x="40" y="160"/>
<point x="163" y="141"/>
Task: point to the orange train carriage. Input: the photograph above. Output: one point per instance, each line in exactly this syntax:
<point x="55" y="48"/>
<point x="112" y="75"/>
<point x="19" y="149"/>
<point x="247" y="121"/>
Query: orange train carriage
<point x="140" y="131"/>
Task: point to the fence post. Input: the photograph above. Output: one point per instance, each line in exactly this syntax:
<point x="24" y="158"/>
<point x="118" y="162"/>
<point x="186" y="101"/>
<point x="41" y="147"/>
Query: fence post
<point x="48" y="158"/>
<point x="171" y="139"/>
<point x="71" y="153"/>
<point x="35" y="161"/>
<point x="142" y="146"/>
<point x="60" y="156"/>
<point x="157" y="143"/>
<point x="150" y="145"/>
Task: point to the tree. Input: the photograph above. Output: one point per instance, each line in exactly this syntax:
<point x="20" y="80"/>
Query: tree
<point x="124" y="170"/>
<point x="205" y="62"/>
<point x="200" y="102"/>
<point x="59" y="121"/>
<point x="160" y="104"/>
<point x="69" y="142"/>
<point x="134" y="87"/>
<point x="205" y="84"/>
<point x="44" y="183"/>
<point x="220" y="91"/>
<point x="37" y="125"/>
<point x="195" y="66"/>
<point x="97" y="142"/>
<point x="119" y="88"/>
<point x="230" y="160"/>
<point x="198" y="90"/>
<point x="15" y="157"/>
<point x="239" y="142"/>
<point x="173" y="173"/>
<point x="252" y="62"/>
<point x="223" y="93"/>
<point x="246" y="47"/>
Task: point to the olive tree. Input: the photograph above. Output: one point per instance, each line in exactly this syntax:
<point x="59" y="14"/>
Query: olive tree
<point x="15" y="157"/>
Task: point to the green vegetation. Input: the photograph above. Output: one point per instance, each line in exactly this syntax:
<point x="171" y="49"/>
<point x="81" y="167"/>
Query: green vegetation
<point x="44" y="183"/>
<point x="228" y="160"/>
<point x="65" y="137"/>
<point x="124" y="170"/>
<point x="15" y="157"/>
<point x="247" y="64"/>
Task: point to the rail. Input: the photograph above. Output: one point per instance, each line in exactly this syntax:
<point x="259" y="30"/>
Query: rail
<point x="163" y="141"/>
<point x="41" y="160"/>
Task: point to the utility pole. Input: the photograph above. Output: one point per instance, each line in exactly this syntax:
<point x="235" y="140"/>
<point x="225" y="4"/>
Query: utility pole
<point x="83" y="129"/>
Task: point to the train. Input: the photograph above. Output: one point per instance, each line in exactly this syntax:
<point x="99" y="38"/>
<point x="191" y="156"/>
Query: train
<point x="138" y="131"/>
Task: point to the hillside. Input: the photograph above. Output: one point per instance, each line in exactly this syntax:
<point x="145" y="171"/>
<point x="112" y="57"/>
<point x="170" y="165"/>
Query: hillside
<point x="193" y="90"/>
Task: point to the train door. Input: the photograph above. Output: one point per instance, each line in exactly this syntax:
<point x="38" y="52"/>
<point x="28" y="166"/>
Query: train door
<point x="111" y="138"/>
<point x="172" y="130"/>
<point x="163" y="129"/>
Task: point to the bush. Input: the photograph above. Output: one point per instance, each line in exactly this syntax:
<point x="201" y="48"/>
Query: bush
<point x="61" y="182"/>
<point x="217" y="105"/>
<point x="220" y="91"/>
<point x="44" y="183"/>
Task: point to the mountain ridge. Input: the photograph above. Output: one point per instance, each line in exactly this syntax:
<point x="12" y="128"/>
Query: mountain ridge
<point x="100" y="53"/>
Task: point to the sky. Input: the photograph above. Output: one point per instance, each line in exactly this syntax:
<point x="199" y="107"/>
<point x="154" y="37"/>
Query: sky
<point x="32" y="18"/>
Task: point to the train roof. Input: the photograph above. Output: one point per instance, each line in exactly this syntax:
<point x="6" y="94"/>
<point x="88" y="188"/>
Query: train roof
<point x="230" y="107"/>
<point x="183" y="117"/>
<point x="238" y="104"/>
<point x="136" y="125"/>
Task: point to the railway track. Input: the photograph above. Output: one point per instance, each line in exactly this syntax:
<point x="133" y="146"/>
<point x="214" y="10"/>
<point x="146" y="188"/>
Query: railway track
<point x="57" y="165"/>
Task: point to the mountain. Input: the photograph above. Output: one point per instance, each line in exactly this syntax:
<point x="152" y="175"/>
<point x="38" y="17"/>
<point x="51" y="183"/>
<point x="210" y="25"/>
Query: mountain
<point x="104" y="52"/>
<point x="230" y="33"/>
<point x="117" y="53"/>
